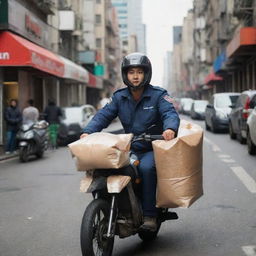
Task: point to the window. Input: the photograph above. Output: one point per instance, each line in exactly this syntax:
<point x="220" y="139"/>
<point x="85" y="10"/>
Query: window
<point x="98" y="19"/>
<point x="98" y="42"/>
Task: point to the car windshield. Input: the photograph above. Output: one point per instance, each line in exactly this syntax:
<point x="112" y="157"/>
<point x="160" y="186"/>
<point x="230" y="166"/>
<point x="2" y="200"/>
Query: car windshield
<point x="72" y="114"/>
<point x="200" y="105"/>
<point x="225" y="101"/>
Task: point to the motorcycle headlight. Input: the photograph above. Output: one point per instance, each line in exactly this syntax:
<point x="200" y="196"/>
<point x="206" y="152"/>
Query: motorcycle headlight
<point x="28" y="135"/>
<point x="221" y="115"/>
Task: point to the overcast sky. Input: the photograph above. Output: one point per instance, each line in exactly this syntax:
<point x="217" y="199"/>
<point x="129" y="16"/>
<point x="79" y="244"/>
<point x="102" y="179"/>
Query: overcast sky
<point x="160" y="16"/>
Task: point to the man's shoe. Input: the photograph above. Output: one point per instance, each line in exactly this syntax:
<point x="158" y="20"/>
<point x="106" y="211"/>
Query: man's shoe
<point x="149" y="224"/>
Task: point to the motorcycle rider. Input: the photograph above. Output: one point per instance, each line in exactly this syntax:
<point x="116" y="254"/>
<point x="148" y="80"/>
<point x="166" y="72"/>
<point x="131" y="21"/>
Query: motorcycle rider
<point x="141" y="108"/>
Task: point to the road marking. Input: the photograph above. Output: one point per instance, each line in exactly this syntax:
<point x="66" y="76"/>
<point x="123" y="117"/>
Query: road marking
<point x="246" y="179"/>
<point x="228" y="160"/>
<point x="215" y="148"/>
<point x="249" y="250"/>
<point x="224" y="156"/>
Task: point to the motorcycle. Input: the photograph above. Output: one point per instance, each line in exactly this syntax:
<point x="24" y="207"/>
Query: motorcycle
<point x="116" y="208"/>
<point x="32" y="139"/>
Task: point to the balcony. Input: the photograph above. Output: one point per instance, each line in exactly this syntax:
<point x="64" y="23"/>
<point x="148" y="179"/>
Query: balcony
<point x="45" y="6"/>
<point x="243" y="8"/>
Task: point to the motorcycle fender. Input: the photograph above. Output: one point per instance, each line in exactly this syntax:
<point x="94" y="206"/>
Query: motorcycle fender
<point x="23" y="143"/>
<point x="85" y="183"/>
<point x="89" y="184"/>
<point x="116" y="183"/>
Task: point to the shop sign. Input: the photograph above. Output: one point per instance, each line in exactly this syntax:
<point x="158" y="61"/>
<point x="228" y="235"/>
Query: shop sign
<point x="28" y="25"/>
<point x="32" y="26"/>
<point x="46" y="64"/>
<point x="4" y="56"/>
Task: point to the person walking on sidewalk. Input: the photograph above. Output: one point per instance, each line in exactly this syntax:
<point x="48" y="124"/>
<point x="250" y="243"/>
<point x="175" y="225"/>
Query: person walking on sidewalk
<point x="13" y="120"/>
<point x="52" y="115"/>
<point x="30" y="113"/>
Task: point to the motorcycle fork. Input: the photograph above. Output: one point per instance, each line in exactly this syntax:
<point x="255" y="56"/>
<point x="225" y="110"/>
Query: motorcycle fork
<point x="112" y="217"/>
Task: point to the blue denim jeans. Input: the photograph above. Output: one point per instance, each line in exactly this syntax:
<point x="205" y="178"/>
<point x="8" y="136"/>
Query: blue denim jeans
<point x="147" y="171"/>
<point x="10" y="141"/>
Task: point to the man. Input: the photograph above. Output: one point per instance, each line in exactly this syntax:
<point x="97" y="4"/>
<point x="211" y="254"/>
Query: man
<point x="30" y="113"/>
<point x="139" y="107"/>
<point x="52" y="116"/>
<point x="13" y="119"/>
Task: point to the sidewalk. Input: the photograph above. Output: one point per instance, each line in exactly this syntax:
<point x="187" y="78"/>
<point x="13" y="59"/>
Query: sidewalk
<point x="3" y="156"/>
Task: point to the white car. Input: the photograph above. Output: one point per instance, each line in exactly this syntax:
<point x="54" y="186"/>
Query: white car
<point x="251" y="132"/>
<point x="73" y="121"/>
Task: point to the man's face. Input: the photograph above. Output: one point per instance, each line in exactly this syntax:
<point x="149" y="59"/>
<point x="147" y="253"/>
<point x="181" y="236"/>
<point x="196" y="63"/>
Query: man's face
<point x="135" y="76"/>
<point x="13" y="103"/>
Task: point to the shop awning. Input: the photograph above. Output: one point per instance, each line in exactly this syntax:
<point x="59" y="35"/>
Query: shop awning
<point x="17" y="51"/>
<point x="75" y="72"/>
<point x="95" y="82"/>
<point x="243" y="43"/>
<point x="220" y="63"/>
<point x="212" y="78"/>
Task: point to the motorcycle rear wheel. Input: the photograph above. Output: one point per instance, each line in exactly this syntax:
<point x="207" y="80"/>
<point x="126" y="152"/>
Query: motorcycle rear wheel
<point x="94" y="229"/>
<point x="23" y="154"/>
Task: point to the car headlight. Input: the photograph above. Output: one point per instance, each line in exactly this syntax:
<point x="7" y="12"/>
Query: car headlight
<point x="221" y="115"/>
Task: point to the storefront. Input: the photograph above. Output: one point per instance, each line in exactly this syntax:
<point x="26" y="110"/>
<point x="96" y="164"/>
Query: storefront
<point x="241" y="59"/>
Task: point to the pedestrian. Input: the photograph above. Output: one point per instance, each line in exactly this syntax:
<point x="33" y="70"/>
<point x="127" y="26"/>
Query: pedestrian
<point x="30" y="113"/>
<point x="13" y="118"/>
<point x="52" y="115"/>
<point x="140" y="106"/>
<point x="105" y="99"/>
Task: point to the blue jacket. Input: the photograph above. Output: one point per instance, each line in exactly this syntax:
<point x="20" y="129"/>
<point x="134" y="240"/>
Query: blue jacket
<point x="153" y="109"/>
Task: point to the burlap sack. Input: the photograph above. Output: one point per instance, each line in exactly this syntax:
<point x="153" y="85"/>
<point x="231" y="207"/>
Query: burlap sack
<point x="101" y="150"/>
<point x="179" y="167"/>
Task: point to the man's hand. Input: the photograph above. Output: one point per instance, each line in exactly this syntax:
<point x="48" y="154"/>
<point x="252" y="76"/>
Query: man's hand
<point x="168" y="134"/>
<point x="83" y="135"/>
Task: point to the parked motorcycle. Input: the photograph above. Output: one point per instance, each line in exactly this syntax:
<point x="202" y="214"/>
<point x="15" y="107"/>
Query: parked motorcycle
<point x="116" y="208"/>
<point x="32" y="139"/>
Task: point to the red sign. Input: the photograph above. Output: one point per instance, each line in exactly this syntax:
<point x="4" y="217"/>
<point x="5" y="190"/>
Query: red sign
<point x="17" y="51"/>
<point x="33" y="27"/>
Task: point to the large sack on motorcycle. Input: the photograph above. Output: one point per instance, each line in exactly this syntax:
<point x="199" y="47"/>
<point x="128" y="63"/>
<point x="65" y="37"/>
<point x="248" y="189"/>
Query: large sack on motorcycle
<point x="101" y="150"/>
<point x="179" y="167"/>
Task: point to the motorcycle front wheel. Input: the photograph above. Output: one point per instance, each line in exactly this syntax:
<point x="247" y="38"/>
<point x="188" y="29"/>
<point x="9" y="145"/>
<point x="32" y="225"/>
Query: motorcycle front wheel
<point x="23" y="154"/>
<point x="93" y="235"/>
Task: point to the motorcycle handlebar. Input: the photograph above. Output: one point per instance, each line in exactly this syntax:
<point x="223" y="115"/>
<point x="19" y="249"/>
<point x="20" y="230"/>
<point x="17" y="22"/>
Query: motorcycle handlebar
<point x="147" y="137"/>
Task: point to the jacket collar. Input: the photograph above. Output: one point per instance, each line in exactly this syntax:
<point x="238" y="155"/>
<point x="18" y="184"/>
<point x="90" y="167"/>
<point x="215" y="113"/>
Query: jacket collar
<point x="146" y="92"/>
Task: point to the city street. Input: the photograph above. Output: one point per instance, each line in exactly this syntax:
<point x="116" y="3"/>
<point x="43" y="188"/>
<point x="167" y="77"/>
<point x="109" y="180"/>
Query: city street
<point x="42" y="208"/>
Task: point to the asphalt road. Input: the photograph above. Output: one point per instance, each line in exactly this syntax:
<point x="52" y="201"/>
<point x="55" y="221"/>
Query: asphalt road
<point x="41" y="208"/>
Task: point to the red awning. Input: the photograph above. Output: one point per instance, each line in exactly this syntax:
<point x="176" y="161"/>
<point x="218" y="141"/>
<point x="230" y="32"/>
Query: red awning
<point x="211" y="78"/>
<point x="17" y="51"/>
<point x="243" y="42"/>
<point x="95" y="82"/>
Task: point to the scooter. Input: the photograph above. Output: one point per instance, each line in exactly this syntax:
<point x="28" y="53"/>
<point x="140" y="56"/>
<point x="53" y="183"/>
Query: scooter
<point x="115" y="208"/>
<point x="32" y="139"/>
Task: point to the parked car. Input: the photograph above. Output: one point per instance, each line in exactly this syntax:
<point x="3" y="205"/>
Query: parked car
<point x="185" y="105"/>
<point x="251" y="129"/>
<point x="239" y="114"/>
<point x="198" y="109"/>
<point x="73" y="121"/>
<point x="218" y="109"/>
